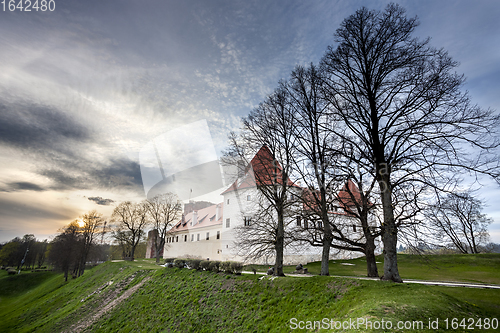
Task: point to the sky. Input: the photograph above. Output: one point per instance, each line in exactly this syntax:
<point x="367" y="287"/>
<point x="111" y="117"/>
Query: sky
<point x="91" y="91"/>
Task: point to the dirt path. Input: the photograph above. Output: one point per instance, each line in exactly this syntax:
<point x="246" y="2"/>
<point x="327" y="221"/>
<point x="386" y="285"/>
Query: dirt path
<point x="105" y="307"/>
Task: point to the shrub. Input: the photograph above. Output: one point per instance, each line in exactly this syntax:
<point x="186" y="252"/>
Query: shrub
<point x="236" y="267"/>
<point x="214" y="266"/>
<point x="169" y="260"/>
<point x="180" y="263"/>
<point x="194" y="264"/>
<point x="204" y="264"/>
<point x="226" y="267"/>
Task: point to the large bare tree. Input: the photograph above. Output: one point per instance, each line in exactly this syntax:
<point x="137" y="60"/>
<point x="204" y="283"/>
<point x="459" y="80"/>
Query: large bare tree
<point x="402" y="110"/>
<point x="268" y="131"/>
<point x="325" y="165"/>
<point x="164" y="210"/>
<point x="315" y="156"/>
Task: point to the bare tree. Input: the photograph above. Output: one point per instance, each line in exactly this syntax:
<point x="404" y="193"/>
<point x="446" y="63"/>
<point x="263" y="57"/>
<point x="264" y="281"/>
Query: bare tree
<point x="315" y="156"/>
<point x="268" y="131"/>
<point x="457" y="218"/>
<point x="324" y="163"/>
<point x="164" y="210"/>
<point x="90" y="227"/>
<point x="401" y="109"/>
<point x="65" y="249"/>
<point x="132" y="219"/>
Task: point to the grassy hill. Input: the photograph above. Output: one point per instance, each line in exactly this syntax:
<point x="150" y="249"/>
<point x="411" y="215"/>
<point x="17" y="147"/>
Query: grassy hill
<point x="139" y="297"/>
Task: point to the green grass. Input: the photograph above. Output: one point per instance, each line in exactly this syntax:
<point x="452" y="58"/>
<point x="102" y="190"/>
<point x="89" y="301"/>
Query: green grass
<point x="181" y="300"/>
<point x="190" y="301"/>
<point x="474" y="268"/>
<point x="48" y="304"/>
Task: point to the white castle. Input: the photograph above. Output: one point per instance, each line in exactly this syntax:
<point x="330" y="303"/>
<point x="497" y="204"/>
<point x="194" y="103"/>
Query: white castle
<point x="212" y="232"/>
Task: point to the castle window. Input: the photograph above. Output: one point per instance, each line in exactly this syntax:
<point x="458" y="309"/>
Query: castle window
<point x="185" y="238"/>
<point x="177" y="238"/>
<point x="208" y="235"/>
<point x="320" y="224"/>
<point x="247" y="221"/>
<point x="192" y="237"/>
<point x="198" y="237"/>
<point x="228" y="223"/>
<point x="218" y="234"/>
<point x="354" y="227"/>
<point x="249" y="197"/>
<point x="298" y="221"/>
<point x="228" y="201"/>
<point x="306" y="224"/>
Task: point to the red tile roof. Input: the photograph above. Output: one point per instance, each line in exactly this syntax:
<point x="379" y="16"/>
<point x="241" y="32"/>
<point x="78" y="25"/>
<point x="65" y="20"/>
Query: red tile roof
<point x="263" y="169"/>
<point x="346" y="194"/>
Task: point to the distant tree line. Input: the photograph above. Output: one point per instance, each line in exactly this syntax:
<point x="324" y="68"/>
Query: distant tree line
<point x="25" y="252"/>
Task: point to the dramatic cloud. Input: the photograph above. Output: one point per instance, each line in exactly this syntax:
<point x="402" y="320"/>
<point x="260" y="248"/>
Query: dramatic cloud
<point x="84" y="88"/>
<point x="101" y="201"/>
<point x="38" y="127"/>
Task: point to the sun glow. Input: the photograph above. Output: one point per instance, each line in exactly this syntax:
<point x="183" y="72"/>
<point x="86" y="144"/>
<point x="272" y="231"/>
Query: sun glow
<point x="81" y="224"/>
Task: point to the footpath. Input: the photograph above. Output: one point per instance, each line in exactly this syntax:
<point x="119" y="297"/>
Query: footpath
<point x="431" y="283"/>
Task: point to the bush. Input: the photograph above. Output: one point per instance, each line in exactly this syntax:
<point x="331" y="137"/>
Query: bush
<point x="180" y="263"/>
<point x="204" y="265"/>
<point x="169" y="260"/>
<point x="194" y="264"/>
<point x="226" y="267"/>
<point x="236" y="267"/>
<point x="214" y="266"/>
<point x="223" y="266"/>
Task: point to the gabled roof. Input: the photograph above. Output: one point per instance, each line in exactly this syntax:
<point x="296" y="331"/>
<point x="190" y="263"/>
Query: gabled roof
<point x="205" y="218"/>
<point x="262" y="170"/>
<point x="346" y="194"/>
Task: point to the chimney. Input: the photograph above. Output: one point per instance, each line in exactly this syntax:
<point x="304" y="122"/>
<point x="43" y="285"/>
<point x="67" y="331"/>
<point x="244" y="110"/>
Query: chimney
<point x="218" y="212"/>
<point x="195" y="217"/>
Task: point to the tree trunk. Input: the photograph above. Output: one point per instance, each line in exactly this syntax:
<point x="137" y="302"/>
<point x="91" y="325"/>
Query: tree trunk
<point x="389" y="233"/>
<point x="325" y="257"/>
<point x="371" y="262"/>
<point x="158" y="249"/>
<point x="132" y="251"/>
<point x="280" y="241"/>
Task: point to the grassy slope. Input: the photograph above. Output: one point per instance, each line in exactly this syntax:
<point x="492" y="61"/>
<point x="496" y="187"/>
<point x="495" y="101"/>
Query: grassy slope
<point x="190" y="301"/>
<point x="48" y="304"/>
